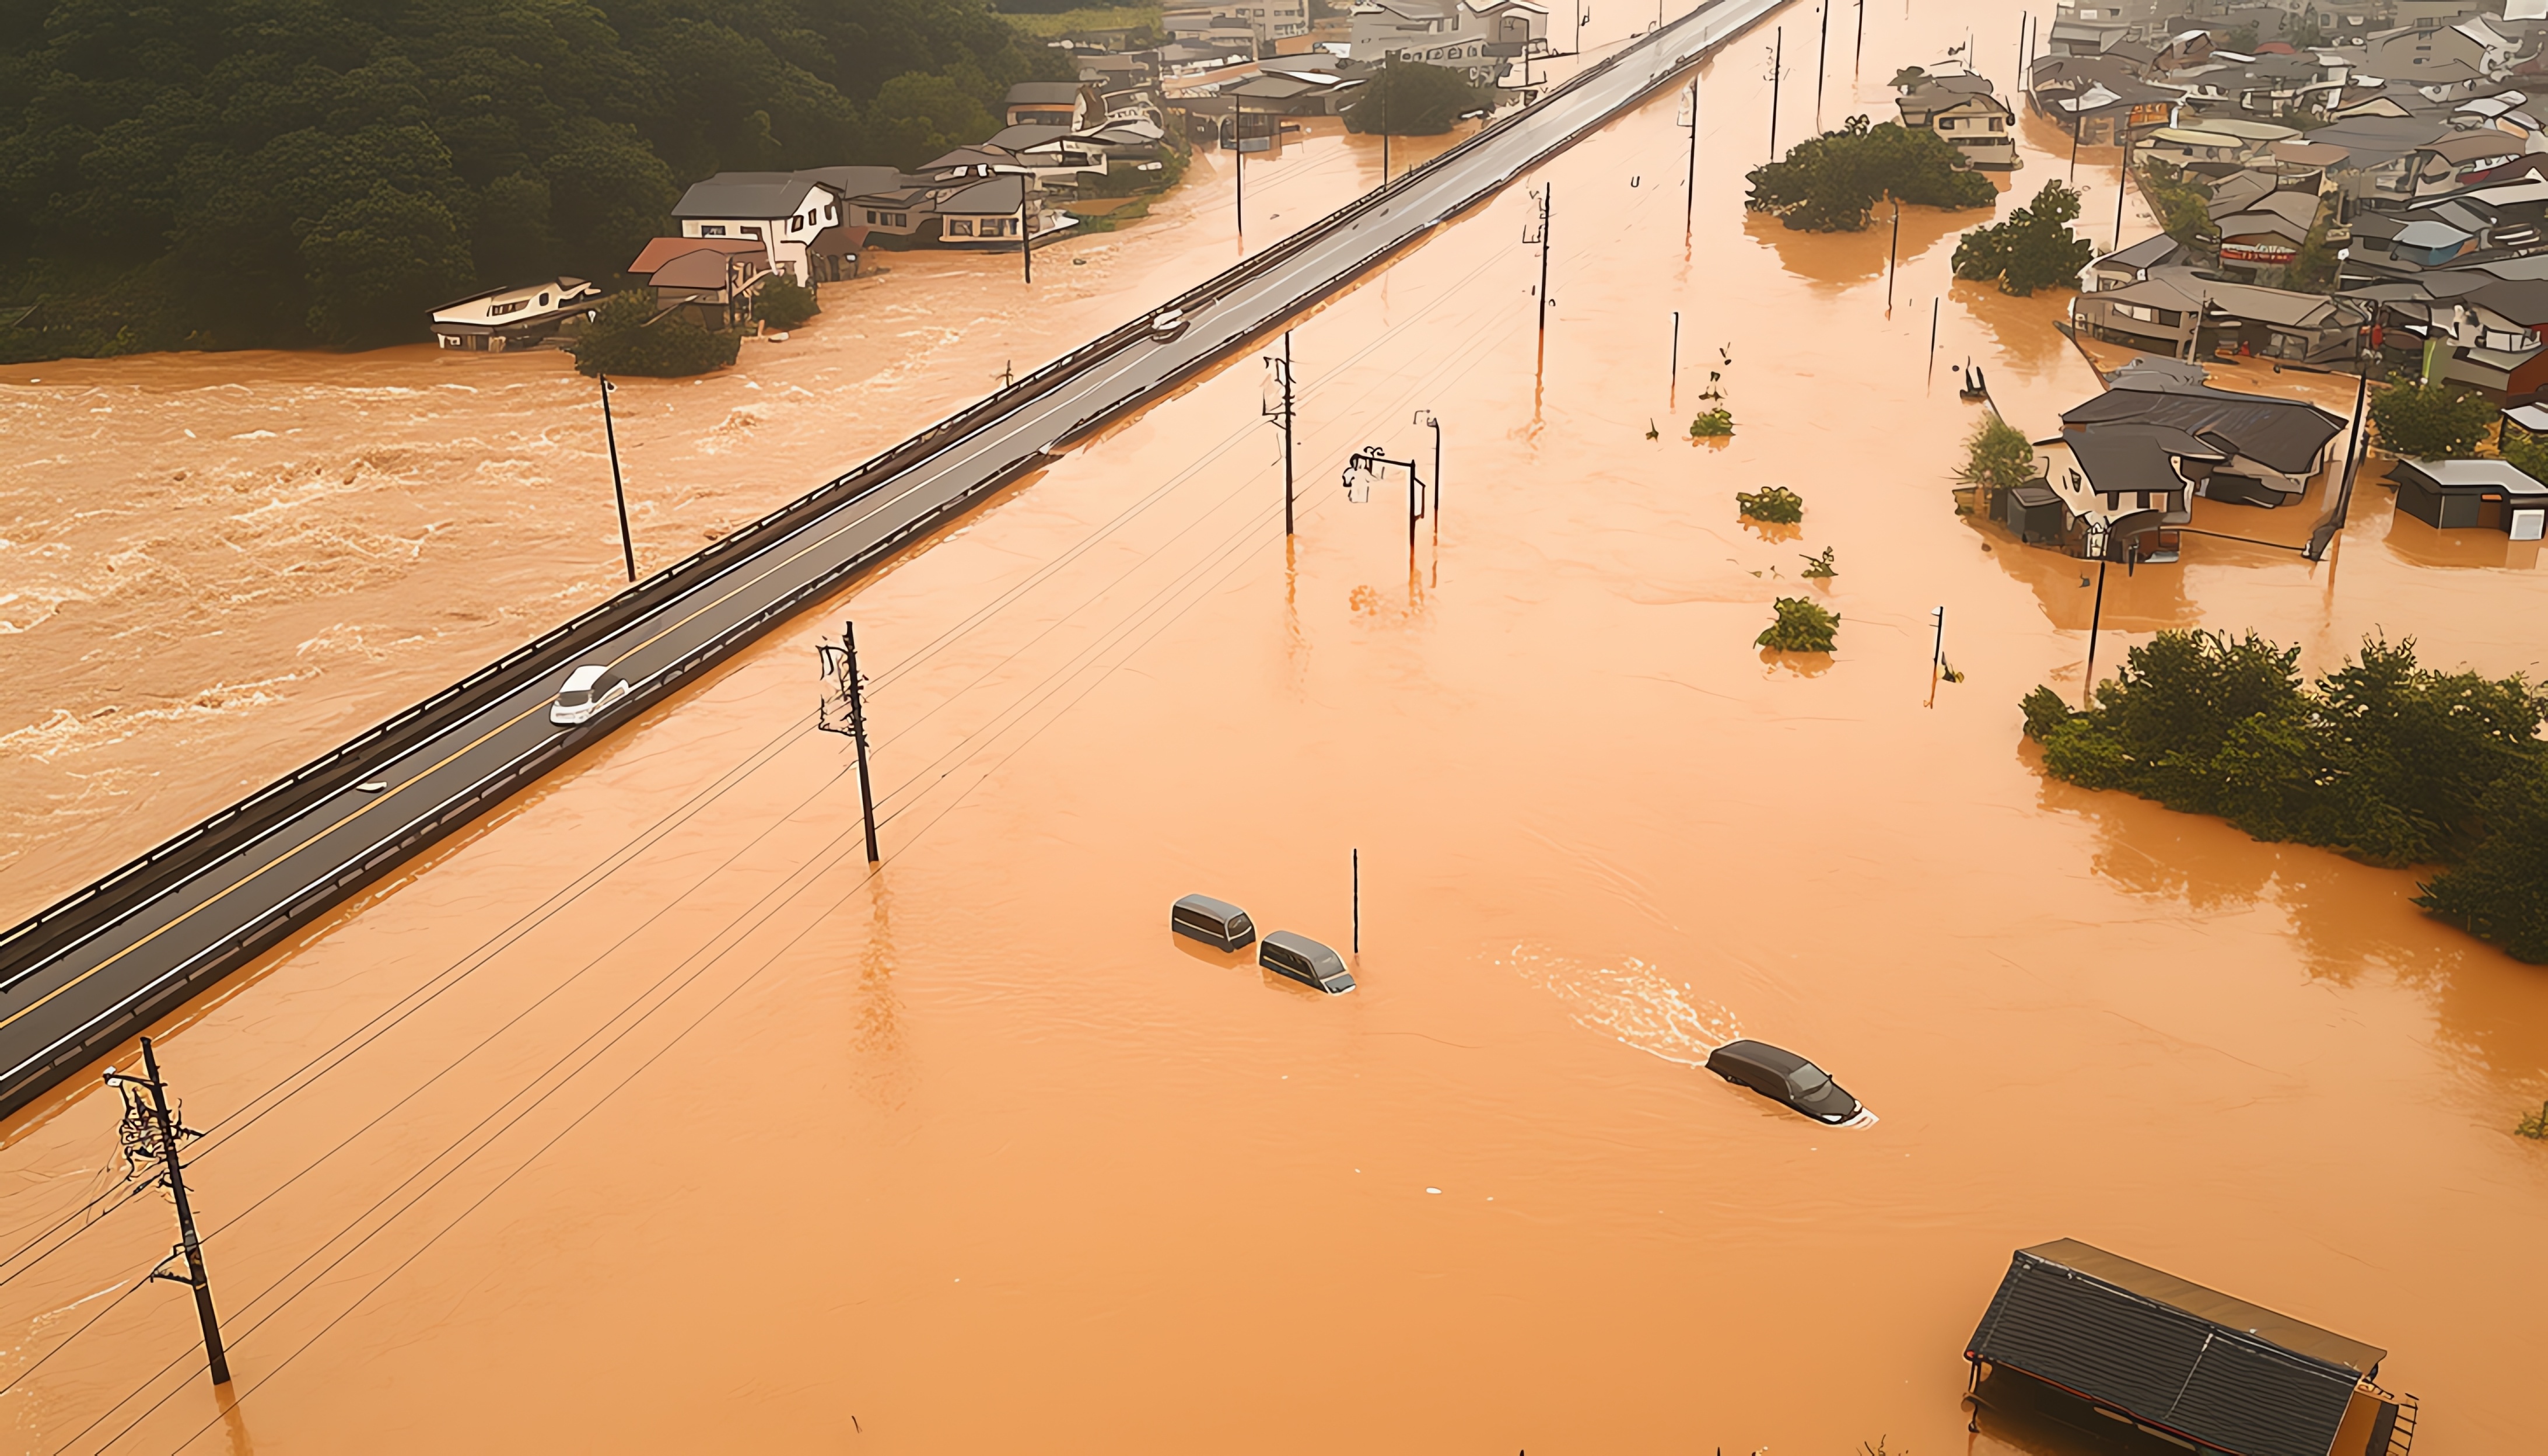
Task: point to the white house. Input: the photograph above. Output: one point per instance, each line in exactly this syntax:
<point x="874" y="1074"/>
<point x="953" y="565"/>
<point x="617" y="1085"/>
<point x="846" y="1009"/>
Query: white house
<point x="1481" y="40"/>
<point x="513" y="317"/>
<point x="787" y="211"/>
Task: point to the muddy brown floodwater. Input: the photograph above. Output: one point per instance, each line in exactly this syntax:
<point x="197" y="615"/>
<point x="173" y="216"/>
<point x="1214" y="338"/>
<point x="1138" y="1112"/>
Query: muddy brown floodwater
<point x="644" y="1118"/>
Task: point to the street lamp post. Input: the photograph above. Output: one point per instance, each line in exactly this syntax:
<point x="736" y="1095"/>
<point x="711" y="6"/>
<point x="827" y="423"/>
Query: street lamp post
<point x="1427" y="418"/>
<point x="1366" y="463"/>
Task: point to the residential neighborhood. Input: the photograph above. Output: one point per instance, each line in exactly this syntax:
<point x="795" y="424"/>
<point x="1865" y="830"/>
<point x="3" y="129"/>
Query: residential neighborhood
<point x="1118" y="129"/>
<point x="2359" y="189"/>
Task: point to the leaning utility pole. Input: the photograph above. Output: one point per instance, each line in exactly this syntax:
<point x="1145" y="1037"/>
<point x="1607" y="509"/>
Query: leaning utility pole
<point x="1026" y="232"/>
<point x="1777" y="63"/>
<point x="151" y="1134"/>
<point x="859" y="736"/>
<point x="618" y="492"/>
<point x="1239" y="149"/>
<point x="1822" y="55"/>
<point x="841" y="667"/>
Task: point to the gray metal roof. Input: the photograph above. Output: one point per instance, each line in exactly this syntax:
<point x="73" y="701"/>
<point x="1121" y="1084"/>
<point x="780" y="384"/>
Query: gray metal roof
<point x="2286" y="435"/>
<point x="743" y="195"/>
<point x="2171" y="1352"/>
<point x="2474" y="474"/>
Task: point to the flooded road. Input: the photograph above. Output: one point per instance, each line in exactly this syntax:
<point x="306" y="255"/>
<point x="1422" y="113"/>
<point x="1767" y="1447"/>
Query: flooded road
<point x="214" y="566"/>
<point x="643" y="1116"/>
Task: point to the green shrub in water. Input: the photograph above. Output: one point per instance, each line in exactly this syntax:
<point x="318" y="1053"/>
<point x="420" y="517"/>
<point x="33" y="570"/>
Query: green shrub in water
<point x="1776" y="505"/>
<point x="1800" y="626"/>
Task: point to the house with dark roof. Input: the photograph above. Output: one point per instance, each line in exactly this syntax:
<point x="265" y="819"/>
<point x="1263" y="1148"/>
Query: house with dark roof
<point x="2110" y="1337"/>
<point x="1072" y="105"/>
<point x="2177" y="310"/>
<point x="2226" y="444"/>
<point x="785" y="212"/>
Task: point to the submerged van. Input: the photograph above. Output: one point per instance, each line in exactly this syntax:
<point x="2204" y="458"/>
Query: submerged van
<point x="1305" y="961"/>
<point x="588" y="690"/>
<point x="1215" y="923"/>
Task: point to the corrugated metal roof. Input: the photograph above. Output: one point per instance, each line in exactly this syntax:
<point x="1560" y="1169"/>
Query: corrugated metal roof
<point x="2167" y="1351"/>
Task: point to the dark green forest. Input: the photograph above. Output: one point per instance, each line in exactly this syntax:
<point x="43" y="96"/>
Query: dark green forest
<point x="284" y="173"/>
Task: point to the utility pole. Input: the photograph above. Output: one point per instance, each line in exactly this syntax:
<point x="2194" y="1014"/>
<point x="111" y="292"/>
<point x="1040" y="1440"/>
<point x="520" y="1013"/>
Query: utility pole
<point x="1357" y="900"/>
<point x="1546" y="196"/>
<point x="2096" y="617"/>
<point x="1383" y="119"/>
<point x="1860" y="58"/>
<point x="1893" y="259"/>
<point x="1822" y="55"/>
<point x="2334" y="523"/>
<point x="2122" y="184"/>
<point x="2077" y="126"/>
<point x="618" y="492"/>
<point x="841" y="668"/>
<point x="1674" y="395"/>
<point x="1690" y="179"/>
<point x="859" y="736"/>
<point x="1239" y="149"/>
<point x="1283" y="375"/>
<point x="1025" y="233"/>
<point x="150" y="1134"/>
<point x="1778" y="63"/>
<point x="1933" y="332"/>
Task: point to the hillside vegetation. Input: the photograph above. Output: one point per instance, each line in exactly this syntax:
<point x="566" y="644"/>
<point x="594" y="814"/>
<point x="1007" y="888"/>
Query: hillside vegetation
<point x="278" y="173"/>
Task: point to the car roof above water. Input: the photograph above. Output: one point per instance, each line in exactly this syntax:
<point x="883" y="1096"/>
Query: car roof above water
<point x="1221" y="910"/>
<point x="1308" y="950"/>
<point x="1761" y="1054"/>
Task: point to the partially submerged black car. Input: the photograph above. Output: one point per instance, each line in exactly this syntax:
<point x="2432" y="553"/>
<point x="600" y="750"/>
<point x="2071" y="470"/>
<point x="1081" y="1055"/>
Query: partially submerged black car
<point x="1305" y="961"/>
<point x="1783" y="1076"/>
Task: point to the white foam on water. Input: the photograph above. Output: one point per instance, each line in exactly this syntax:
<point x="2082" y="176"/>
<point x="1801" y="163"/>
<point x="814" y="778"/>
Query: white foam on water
<point x="1632" y="1002"/>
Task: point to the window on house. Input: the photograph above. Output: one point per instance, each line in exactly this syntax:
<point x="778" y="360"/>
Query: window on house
<point x="751" y="232"/>
<point x="832" y="213"/>
<point x="712" y="230"/>
<point x="544" y="301"/>
<point x="871" y="216"/>
<point x="959" y="226"/>
<point x="497" y="311"/>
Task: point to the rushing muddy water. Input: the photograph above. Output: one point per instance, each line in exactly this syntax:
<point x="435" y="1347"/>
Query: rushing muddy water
<point x="644" y="1118"/>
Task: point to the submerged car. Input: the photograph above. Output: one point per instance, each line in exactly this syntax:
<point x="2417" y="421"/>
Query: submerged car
<point x="1216" y="923"/>
<point x="588" y="691"/>
<point x="1783" y="1076"/>
<point x="1303" y="960"/>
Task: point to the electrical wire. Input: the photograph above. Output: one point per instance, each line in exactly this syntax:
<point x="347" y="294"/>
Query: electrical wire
<point x="1053" y="684"/>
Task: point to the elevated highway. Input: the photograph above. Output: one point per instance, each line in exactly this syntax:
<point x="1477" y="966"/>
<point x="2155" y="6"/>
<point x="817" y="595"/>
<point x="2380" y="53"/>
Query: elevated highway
<point x="102" y="963"/>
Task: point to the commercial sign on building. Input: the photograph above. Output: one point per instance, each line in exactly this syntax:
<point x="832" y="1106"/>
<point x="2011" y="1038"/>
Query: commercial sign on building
<point x="2258" y="252"/>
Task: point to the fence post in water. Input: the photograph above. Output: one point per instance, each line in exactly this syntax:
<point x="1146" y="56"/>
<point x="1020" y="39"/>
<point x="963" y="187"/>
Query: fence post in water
<point x="1933" y="332"/>
<point x="859" y="736"/>
<point x="1357" y="901"/>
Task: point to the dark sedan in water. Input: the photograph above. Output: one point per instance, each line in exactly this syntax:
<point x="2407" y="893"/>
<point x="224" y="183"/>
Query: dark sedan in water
<point x="1783" y="1076"/>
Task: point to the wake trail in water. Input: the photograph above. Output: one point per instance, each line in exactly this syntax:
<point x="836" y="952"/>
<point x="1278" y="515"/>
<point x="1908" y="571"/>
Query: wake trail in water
<point x="1634" y="1002"/>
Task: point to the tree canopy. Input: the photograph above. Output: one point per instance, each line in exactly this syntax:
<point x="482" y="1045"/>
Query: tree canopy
<point x="1828" y="183"/>
<point x="2430" y="421"/>
<point x="2382" y="760"/>
<point x="2035" y="248"/>
<point x="255" y="173"/>
<point x="1415" y="99"/>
